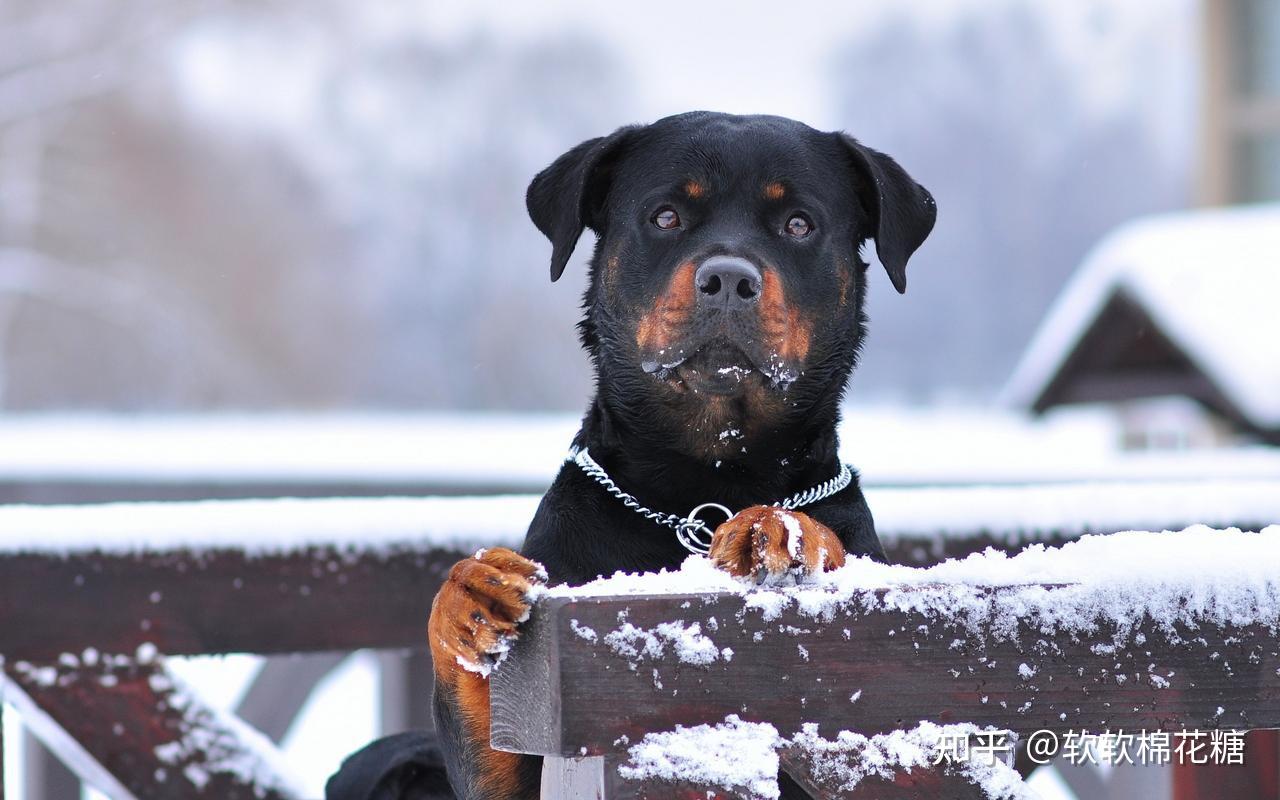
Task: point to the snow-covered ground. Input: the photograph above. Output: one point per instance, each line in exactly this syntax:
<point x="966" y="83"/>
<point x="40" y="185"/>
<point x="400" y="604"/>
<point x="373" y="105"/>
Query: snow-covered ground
<point x="889" y="446"/>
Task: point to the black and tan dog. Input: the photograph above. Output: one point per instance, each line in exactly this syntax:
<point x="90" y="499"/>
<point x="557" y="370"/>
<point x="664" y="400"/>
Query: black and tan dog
<point x="723" y="316"/>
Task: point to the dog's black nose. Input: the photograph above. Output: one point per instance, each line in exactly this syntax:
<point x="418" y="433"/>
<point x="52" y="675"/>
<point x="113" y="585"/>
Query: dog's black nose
<point x="727" y="281"/>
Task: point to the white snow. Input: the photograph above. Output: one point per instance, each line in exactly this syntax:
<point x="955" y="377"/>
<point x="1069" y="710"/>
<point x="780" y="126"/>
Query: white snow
<point x="1193" y="576"/>
<point x="1209" y="279"/>
<point x="686" y="641"/>
<point x="583" y="631"/>
<point x="738" y="755"/>
<point x="732" y="755"/>
<point x="522" y="453"/>
<point x="1015" y="514"/>
<point x="852" y="758"/>
<point x="795" y="536"/>
<point x="212" y="742"/>
<point x="1011" y="514"/>
<point x="263" y="527"/>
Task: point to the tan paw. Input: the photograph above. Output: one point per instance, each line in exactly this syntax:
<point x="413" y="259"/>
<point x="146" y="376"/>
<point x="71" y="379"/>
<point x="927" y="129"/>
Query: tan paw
<point x="770" y="544"/>
<point x="475" y="615"/>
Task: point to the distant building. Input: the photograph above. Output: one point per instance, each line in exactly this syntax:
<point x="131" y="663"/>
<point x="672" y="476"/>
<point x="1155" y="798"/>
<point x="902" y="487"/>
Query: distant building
<point x="1170" y="309"/>
<point x="1240" y="160"/>
<point x="1175" y="320"/>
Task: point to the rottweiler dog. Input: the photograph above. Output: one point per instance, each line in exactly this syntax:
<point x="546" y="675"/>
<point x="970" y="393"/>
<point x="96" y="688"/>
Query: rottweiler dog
<point x="723" y="317"/>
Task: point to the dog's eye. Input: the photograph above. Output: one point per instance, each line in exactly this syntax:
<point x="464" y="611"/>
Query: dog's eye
<point x="799" y="227"/>
<point x="667" y="219"/>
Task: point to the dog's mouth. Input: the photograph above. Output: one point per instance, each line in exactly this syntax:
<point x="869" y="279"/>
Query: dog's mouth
<point x="718" y="367"/>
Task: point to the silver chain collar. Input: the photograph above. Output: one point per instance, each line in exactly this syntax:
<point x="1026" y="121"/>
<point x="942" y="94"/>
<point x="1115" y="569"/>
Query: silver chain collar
<point x="690" y="530"/>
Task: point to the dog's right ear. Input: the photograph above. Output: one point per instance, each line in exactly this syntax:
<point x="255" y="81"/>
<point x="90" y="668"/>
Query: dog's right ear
<point x="569" y="195"/>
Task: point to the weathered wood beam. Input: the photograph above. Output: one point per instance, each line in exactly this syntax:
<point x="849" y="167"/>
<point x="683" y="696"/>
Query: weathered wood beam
<point x="866" y="667"/>
<point x="1258" y="776"/>
<point x="868" y="671"/>
<point x="595" y="777"/>
<point x="936" y="783"/>
<point x="217" y="601"/>
<point x="126" y="727"/>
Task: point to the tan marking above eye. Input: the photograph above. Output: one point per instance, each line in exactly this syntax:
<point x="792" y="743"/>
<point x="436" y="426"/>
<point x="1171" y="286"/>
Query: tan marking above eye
<point x="775" y="191"/>
<point x="694" y="189"/>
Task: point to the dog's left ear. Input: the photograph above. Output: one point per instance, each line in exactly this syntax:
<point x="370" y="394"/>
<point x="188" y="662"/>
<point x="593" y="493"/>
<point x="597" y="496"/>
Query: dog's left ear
<point x="902" y="210"/>
<point x="569" y="195"/>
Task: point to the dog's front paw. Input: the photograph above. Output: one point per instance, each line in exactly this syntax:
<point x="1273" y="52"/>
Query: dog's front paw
<point x="476" y="613"/>
<point x="769" y="544"/>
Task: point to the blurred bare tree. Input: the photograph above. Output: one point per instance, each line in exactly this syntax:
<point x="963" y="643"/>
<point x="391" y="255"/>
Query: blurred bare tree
<point x="154" y="255"/>
<point x="319" y="203"/>
<point x="1029" y="170"/>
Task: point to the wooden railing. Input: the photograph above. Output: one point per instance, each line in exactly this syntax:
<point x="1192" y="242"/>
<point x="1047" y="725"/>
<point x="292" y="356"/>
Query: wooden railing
<point x="80" y="633"/>
<point x="83" y="619"/>
<point x="594" y="674"/>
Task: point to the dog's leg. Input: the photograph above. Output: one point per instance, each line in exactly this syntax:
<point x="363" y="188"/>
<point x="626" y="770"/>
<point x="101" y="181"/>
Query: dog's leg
<point x="768" y="543"/>
<point x="474" y="620"/>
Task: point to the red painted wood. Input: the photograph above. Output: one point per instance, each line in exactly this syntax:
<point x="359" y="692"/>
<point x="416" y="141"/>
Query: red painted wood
<point x="220" y="601"/>
<point x="130" y="718"/>
<point x="1257" y="779"/>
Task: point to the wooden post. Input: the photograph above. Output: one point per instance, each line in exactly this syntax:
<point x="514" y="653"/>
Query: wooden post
<point x="281" y="688"/>
<point x="44" y="776"/>
<point x="407" y="681"/>
<point x="1255" y="778"/>
<point x="322" y="599"/>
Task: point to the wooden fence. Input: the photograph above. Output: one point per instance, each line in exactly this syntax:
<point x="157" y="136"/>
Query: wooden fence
<point x="81" y="627"/>
<point x="593" y="676"/>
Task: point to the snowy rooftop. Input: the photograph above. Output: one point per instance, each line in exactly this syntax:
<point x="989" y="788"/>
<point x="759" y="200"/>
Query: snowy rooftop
<point x="1209" y="280"/>
<point x="488" y="452"/>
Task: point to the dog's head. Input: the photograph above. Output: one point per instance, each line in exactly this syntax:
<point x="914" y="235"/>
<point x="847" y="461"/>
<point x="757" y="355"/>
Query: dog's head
<point x="727" y="287"/>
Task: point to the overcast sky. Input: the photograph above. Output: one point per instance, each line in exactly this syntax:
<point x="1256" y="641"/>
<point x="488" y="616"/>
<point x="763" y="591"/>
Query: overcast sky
<point x="743" y="56"/>
<point x="749" y="56"/>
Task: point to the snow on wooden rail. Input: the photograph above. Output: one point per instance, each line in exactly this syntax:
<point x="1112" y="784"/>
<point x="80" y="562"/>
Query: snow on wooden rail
<point x="1129" y="632"/>
<point x="320" y="575"/>
<point x="129" y="728"/>
<point x="918" y="525"/>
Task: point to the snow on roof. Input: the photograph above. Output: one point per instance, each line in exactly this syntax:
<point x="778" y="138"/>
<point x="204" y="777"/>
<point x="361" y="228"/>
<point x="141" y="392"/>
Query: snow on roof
<point x="508" y="452"/>
<point x="1013" y="514"/>
<point x="1209" y="279"/>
